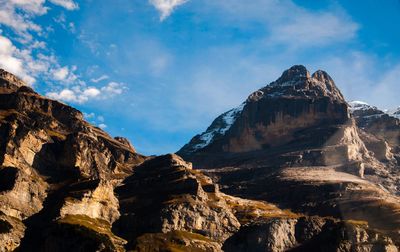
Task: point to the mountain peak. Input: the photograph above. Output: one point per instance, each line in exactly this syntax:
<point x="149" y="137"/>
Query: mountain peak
<point x="297" y="82"/>
<point x="359" y="105"/>
<point x="7" y="79"/>
<point x="271" y="115"/>
<point x="322" y="76"/>
<point x="292" y="75"/>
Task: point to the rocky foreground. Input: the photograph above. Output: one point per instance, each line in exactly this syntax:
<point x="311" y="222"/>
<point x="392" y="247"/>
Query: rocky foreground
<point x="293" y="168"/>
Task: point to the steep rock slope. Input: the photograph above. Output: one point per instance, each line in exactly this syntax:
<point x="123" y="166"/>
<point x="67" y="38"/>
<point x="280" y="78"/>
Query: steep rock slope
<point x="54" y="169"/>
<point x="296" y="143"/>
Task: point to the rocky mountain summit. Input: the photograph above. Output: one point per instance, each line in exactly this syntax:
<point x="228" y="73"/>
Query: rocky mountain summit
<point x="293" y="168"/>
<point x="270" y="115"/>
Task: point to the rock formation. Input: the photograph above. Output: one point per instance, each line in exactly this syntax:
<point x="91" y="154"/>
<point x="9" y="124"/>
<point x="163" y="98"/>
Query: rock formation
<point x="293" y="168"/>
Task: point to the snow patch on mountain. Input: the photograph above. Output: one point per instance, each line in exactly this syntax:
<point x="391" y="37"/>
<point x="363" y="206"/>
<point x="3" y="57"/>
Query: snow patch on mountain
<point x="395" y="113"/>
<point x="360" y="105"/>
<point x="360" y="108"/>
<point x="228" y="118"/>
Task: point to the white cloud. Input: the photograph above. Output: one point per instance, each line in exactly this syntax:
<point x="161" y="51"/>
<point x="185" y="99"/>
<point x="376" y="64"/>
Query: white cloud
<point x="165" y="7"/>
<point x="28" y="60"/>
<point x="67" y="4"/>
<point x="82" y="94"/>
<point x="98" y="120"/>
<point x="96" y="80"/>
<point x="102" y="126"/>
<point x="89" y="116"/>
<point x="61" y="73"/>
<point x="65" y="95"/>
<point x="19" y="14"/>
<point x="91" y="92"/>
<point x="113" y="88"/>
<point x="64" y="74"/>
<point x="19" y="22"/>
<point x="11" y="60"/>
<point x="75" y="95"/>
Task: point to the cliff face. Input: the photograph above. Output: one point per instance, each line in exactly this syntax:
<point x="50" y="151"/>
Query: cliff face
<point x="287" y="170"/>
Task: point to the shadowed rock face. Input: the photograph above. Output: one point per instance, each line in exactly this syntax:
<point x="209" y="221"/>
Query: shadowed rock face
<point x="66" y="185"/>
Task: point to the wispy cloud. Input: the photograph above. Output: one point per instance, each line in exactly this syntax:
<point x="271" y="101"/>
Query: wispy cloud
<point x="387" y="91"/>
<point x="313" y="29"/>
<point x="98" y="120"/>
<point x="166" y="7"/>
<point x="286" y="22"/>
<point x="101" y="78"/>
<point x="19" y="14"/>
<point x="67" y="4"/>
<point x="61" y="74"/>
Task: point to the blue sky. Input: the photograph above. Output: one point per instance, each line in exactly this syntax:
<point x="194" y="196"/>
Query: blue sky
<point x="159" y="71"/>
